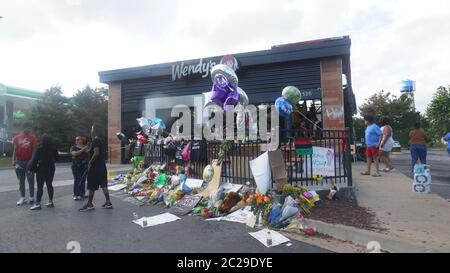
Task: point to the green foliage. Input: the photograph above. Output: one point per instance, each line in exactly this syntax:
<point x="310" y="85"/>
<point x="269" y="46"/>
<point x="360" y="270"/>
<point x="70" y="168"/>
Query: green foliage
<point x="398" y="109"/>
<point x="50" y="116"/>
<point x="64" y="118"/>
<point x="89" y="106"/>
<point x="438" y="114"/>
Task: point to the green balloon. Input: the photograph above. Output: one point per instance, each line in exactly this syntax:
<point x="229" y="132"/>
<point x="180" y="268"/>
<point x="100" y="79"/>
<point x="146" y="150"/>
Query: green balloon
<point x="208" y="173"/>
<point x="292" y="94"/>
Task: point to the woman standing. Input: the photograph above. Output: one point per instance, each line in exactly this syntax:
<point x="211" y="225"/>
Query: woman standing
<point x="386" y="143"/>
<point x="97" y="175"/>
<point x="80" y="158"/>
<point x="418" y="145"/>
<point x="43" y="163"/>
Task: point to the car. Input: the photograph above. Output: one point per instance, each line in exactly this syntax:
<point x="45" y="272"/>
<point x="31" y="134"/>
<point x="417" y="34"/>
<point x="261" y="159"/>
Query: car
<point x="396" y="147"/>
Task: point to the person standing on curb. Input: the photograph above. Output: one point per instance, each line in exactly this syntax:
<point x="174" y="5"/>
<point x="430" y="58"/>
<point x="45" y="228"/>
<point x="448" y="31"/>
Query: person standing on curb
<point x="80" y="158"/>
<point x="43" y="164"/>
<point x="25" y="145"/>
<point x="386" y="143"/>
<point x="97" y="175"/>
<point x="372" y="135"/>
<point x="418" y="145"/>
<point x="447" y="138"/>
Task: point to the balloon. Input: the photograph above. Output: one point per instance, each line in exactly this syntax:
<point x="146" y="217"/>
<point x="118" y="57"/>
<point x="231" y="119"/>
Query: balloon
<point x="121" y="137"/>
<point x="142" y="139"/>
<point x="292" y="94"/>
<point x="227" y="72"/>
<point x="160" y="122"/>
<point x="208" y="173"/>
<point x="243" y="98"/>
<point x="218" y="95"/>
<point x="143" y="122"/>
<point x="283" y="107"/>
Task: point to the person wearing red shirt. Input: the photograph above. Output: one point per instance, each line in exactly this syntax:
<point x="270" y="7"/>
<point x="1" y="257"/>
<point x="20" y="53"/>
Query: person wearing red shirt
<point x="25" y="145"/>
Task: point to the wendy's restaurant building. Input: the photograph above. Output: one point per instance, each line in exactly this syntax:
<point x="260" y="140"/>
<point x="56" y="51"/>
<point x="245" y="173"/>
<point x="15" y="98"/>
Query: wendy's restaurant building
<point x="320" y="69"/>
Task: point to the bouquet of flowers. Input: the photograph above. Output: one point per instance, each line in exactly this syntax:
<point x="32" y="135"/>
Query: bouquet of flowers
<point x="258" y="203"/>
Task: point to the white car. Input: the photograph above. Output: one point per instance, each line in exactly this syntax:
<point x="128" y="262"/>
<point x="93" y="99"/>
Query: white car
<point x="396" y="147"/>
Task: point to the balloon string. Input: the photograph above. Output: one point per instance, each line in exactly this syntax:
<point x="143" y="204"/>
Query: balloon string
<point x="312" y="122"/>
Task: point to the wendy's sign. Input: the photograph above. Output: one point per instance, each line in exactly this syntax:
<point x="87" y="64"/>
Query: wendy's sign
<point x="182" y="70"/>
<point x="203" y="67"/>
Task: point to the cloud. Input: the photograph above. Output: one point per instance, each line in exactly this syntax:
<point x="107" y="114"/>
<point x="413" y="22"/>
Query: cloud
<point x="45" y="42"/>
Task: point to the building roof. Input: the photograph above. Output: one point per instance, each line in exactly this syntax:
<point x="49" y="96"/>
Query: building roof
<point x="337" y="46"/>
<point x="301" y="51"/>
<point x="19" y="92"/>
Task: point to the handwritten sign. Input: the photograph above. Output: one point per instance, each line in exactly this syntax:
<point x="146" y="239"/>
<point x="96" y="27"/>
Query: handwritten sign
<point x="322" y="161"/>
<point x="185" y="205"/>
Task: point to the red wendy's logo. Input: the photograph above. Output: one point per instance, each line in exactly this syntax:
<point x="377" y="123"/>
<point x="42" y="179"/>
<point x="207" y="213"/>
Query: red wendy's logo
<point x="230" y="61"/>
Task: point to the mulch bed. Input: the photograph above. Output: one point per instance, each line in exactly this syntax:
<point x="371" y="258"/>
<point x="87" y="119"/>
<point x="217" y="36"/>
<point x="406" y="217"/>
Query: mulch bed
<point x="345" y="212"/>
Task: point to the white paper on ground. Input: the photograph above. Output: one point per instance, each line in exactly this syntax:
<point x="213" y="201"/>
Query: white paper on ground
<point x="277" y="238"/>
<point x="140" y="198"/>
<point x="261" y="170"/>
<point x="240" y="216"/>
<point x="117" y="187"/>
<point x="194" y="183"/>
<point x="157" y="220"/>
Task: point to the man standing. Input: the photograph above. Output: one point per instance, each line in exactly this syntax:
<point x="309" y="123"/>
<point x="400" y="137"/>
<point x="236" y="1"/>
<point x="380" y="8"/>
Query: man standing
<point x="97" y="175"/>
<point x="24" y="146"/>
<point x="373" y="133"/>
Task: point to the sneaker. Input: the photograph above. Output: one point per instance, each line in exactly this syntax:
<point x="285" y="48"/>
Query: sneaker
<point x="107" y="205"/>
<point x="37" y="206"/>
<point x="50" y="204"/>
<point x="77" y="198"/>
<point x="31" y="200"/>
<point x="21" y="201"/>
<point x="86" y="208"/>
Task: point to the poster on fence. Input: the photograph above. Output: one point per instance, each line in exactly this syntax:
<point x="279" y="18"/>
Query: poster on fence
<point x="322" y="161"/>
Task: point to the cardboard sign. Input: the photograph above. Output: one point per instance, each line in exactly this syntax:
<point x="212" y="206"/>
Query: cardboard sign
<point x="279" y="174"/>
<point x="185" y="205"/>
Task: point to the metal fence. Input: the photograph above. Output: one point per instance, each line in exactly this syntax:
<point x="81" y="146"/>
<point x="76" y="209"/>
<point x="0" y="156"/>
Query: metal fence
<point x="299" y="169"/>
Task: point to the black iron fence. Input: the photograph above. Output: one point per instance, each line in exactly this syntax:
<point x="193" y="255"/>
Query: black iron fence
<point x="299" y="169"/>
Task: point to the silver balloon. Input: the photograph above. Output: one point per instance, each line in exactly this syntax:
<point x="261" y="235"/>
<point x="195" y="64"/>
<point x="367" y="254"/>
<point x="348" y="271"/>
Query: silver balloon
<point x="207" y="99"/>
<point x="243" y="98"/>
<point x="226" y="71"/>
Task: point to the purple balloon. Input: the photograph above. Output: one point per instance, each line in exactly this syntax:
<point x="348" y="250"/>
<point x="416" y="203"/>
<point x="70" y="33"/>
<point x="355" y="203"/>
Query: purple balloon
<point x="218" y="95"/>
<point x="221" y="81"/>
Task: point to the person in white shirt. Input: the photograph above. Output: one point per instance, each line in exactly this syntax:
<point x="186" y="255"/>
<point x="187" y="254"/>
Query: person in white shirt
<point x="386" y="143"/>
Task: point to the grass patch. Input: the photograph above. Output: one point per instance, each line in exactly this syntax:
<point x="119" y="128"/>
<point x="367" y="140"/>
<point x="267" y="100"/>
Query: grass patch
<point x="5" y="162"/>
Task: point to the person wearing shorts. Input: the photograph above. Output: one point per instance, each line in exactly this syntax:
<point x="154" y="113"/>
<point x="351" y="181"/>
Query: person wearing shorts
<point x="97" y="176"/>
<point x="372" y="137"/>
<point x="386" y="143"/>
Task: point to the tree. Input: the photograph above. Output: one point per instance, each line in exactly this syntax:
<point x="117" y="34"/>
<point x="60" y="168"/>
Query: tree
<point x="50" y="116"/>
<point x="438" y="114"/>
<point x="89" y="106"/>
<point x="398" y="109"/>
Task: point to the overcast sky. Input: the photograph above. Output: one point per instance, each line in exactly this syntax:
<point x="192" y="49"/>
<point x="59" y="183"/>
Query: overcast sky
<point x="66" y="42"/>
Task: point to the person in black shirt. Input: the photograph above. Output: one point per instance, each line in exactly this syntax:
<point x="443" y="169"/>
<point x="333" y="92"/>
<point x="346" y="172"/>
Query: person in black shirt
<point x="97" y="175"/>
<point x="80" y="158"/>
<point x="43" y="163"/>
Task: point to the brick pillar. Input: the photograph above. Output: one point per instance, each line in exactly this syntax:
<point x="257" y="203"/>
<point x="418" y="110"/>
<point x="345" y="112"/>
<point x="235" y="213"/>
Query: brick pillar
<point x="332" y="94"/>
<point x="114" y="121"/>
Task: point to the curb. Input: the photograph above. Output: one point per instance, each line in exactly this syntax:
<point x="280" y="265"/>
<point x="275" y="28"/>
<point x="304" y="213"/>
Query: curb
<point x="363" y="237"/>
